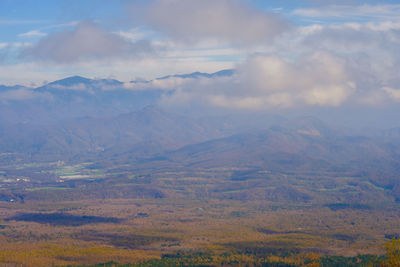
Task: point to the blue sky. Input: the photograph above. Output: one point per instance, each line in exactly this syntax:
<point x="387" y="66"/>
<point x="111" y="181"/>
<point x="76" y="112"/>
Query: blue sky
<point x="286" y="53"/>
<point x="20" y="16"/>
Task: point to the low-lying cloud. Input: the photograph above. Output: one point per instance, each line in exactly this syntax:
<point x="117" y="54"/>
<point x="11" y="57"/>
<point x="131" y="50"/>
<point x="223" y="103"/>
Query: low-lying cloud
<point x="265" y="82"/>
<point x="21" y="94"/>
<point x="268" y="81"/>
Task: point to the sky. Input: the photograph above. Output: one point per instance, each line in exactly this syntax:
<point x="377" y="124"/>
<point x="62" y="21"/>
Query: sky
<point x="286" y="54"/>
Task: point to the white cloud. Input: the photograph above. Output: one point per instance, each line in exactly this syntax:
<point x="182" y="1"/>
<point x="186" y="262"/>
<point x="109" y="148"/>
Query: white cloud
<point x="353" y="12"/>
<point x="33" y="33"/>
<point x="32" y="73"/>
<point x="164" y="84"/>
<point x="3" y="45"/>
<point x="14" y="45"/>
<point x="225" y="20"/>
<point x="265" y="82"/>
<point x="134" y="34"/>
<point x="20" y="22"/>
<point x="75" y="87"/>
<point x="356" y="64"/>
<point x="21" y="95"/>
<point x="87" y="41"/>
<point x="8" y="51"/>
<point x="393" y="93"/>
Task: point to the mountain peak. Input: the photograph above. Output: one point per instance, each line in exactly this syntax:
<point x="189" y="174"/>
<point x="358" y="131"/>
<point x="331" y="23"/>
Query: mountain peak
<point x="69" y="81"/>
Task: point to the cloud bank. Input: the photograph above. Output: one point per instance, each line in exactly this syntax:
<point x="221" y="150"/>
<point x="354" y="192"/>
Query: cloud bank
<point x="353" y="64"/>
<point x="265" y="82"/>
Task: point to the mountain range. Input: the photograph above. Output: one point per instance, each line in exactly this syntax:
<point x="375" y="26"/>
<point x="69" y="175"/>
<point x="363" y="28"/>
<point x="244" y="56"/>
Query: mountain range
<point x="77" y="96"/>
<point x="77" y="119"/>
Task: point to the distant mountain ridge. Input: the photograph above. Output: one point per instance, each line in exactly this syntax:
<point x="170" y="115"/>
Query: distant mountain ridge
<point x="77" y="96"/>
<point x="78" y="117"/>
<point x="222" y="73"/>
<point x="4" y="88"/>
<point x="74" y="80"/>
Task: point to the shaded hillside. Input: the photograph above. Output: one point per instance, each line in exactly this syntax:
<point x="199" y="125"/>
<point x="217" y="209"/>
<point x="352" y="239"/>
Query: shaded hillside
<point x="147" y="131"/>
<point x="280" y="148"/>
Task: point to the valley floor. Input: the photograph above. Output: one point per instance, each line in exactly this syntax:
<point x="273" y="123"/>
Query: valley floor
<point x="138" y="230"/>
<point x="87" y="214"/>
